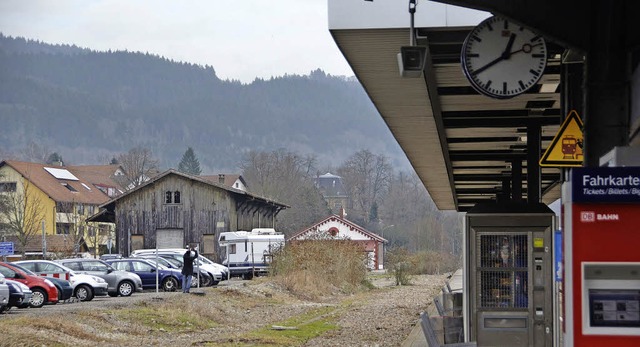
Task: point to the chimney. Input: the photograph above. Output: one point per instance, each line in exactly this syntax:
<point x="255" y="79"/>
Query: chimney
<point x="221" y="178"/>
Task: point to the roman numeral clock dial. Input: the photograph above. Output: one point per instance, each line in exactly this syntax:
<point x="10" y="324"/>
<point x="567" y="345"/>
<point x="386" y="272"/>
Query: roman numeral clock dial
<point x="502" y="59"/>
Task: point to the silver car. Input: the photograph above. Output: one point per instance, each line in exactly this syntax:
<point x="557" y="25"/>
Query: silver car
<point x="119" y="282"/>
<point x="4" y="293"/>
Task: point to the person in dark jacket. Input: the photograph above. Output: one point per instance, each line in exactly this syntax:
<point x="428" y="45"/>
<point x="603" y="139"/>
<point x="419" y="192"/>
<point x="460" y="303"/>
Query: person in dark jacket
<point x="187" y="269"/>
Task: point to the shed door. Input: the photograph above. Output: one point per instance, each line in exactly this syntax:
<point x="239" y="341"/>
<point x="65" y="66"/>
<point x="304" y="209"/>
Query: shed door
<point x="170" y="238"/>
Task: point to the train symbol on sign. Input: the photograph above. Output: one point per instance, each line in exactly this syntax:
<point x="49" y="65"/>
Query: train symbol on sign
<point x="571" y="147"/>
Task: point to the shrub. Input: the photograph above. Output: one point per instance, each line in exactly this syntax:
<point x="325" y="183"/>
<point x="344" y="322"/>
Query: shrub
<point x="319" y="266"/>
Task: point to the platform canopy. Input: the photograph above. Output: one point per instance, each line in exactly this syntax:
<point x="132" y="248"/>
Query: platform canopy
<point x="463" y="145"/>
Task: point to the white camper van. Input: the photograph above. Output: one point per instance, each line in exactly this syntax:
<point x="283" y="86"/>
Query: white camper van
<point x="248" y="253"/>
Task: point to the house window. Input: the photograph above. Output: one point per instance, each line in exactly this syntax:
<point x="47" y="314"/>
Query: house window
<point x="80" y="209"/>
<point x="333" y="231"/>
<point x="168" y="197"/>
<point x="68" y="186"/>
<point x="176" y="197"/>
<point x="91" y="209"/>
<point x="62" y="228"/>
<point x="7" y="187"/>
<point x="64" y="207"/>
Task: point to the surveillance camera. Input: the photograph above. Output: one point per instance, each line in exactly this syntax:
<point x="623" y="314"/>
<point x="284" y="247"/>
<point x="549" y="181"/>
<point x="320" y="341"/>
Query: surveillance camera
<point x="411" y="60"/>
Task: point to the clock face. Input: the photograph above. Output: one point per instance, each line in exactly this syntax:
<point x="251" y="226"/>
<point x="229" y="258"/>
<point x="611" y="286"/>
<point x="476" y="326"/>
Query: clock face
<point x="502" y="59"/>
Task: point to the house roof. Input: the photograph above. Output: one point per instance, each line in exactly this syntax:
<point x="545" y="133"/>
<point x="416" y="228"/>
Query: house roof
<point x="335" y="218"/>
<point x="104" y="175"/>
<point x="55" y="243"/>
<point x="64" y="188"/>
<point x="331" y="185"/>
<point x="229" y="179"/>
<point x="201" y="180"/>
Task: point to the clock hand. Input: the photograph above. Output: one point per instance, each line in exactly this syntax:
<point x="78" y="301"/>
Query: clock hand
<point x="507" y="50"/>
<point x="490" y="64"/>
<point x="526" y="48"/>
<point x="505" y="55"/>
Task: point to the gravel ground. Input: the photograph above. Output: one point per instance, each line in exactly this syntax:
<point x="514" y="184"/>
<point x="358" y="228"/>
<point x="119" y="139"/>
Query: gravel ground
<point x="383" y="316"/>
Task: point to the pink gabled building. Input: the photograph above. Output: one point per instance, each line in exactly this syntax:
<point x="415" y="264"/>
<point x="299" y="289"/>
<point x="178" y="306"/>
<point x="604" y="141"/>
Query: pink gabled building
<point x="340" y="228"/>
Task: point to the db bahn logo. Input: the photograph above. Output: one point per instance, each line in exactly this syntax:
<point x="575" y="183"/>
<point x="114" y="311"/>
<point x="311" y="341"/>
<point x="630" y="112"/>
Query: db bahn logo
<point x="587" y="216"/>
<point x="590" y="216"/>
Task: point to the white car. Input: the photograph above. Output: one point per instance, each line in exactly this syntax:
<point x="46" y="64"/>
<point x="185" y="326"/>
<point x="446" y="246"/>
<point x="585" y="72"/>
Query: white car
<point x="217" y="271"/>
<point x="85" y="287"/>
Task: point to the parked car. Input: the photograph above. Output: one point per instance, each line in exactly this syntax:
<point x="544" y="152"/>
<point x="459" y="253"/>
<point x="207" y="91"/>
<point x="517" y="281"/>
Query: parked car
<point x="20" y="294"/>
<point x="65" y="290"/>
<point x="85" y="287"/>
<point x="110" y="256"/>
<point x="172" y="263"/>
<point x="169" y="280"/>
<point x="4" y="293"/>
<point x="216" y="271"/>
<point x="44" y="291"/>
<point x="118" y="282"/>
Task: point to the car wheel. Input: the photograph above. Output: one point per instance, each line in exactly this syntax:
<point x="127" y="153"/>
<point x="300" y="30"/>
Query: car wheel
<point x="125" y="288"/>
<point x="38" y="298"/>
<point x="170" y="284"/>
<point x="84" y="293"/>
<point x="205" y="281"/>
<point x="4" y="308"/>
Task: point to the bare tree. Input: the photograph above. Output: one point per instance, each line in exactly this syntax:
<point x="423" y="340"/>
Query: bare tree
<point x="35" y="152"/>
<point x="287" y="178"/>
<point x="367" y="177"/>
<point x="71" y="222"/>
<point x="139" y="166"/>
<point x="22" y="213"/>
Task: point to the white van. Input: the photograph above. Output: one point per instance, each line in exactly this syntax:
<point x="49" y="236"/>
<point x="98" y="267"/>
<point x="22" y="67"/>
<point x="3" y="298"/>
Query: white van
<point x="248" y="253"/>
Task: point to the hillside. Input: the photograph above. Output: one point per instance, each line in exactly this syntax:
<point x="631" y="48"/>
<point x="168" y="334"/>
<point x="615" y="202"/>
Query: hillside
<point x="89" y="105"/>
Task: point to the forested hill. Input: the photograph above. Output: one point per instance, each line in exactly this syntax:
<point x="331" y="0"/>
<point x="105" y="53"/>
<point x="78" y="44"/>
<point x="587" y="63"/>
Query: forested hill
<point x="88" y="105"/>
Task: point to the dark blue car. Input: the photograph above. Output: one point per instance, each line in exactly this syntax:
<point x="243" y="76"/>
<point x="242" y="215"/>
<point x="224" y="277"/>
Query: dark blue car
<point x="169" y="280"/>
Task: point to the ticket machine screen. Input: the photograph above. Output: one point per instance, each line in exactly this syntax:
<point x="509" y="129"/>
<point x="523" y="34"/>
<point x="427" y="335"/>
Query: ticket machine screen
<point x="614" y="308"/>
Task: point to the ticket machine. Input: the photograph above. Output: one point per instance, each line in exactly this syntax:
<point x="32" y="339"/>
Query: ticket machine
<point x="602" y="257"/>
<point x="509" y="289"/>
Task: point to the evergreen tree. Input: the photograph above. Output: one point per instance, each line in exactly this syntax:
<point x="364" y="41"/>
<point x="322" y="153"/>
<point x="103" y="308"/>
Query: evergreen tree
<point x="189" y="163"/>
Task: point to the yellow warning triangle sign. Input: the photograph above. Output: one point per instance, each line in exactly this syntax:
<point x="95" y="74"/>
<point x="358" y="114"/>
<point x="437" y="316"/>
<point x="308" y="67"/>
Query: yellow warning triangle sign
<point x="566" y="148"/>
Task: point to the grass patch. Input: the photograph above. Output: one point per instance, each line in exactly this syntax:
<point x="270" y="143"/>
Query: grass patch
<point x="308" y="325"/>
<point x="169" y="318"/>
<point x="48" y="331"/>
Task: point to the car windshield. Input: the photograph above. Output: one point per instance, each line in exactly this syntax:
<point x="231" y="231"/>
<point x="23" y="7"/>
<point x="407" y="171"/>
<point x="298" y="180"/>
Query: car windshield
<point x="25" y="270"/>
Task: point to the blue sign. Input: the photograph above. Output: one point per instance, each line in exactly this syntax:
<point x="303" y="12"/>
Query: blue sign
<point x="6" y="248"/>
<point x="606" y="184"/>
<point x="557" y="242"/>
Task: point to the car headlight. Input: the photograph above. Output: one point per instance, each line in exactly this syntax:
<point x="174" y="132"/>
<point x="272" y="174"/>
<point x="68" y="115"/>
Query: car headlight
<point x="98" y="279"/>
<point x="49" y="283"/>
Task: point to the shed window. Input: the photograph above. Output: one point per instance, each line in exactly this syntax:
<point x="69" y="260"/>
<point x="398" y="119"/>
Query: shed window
<point x="172" y="197"/>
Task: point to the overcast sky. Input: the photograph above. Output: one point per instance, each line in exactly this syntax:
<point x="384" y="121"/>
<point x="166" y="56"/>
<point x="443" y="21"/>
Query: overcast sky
<point x="241" y="39"/>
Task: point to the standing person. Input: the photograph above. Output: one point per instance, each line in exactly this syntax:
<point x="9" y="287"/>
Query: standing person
<point x="187" y="269"/>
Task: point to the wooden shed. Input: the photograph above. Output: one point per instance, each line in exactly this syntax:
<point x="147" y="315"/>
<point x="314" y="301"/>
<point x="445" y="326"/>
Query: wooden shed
<point x="174" y="209"/>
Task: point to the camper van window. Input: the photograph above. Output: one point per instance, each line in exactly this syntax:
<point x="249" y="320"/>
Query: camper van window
<point x="245" y="246"/>
<point x="232" y="249"/>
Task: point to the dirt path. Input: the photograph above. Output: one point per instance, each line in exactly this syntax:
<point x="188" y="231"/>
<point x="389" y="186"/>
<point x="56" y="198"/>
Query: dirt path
<point x="236" y="313"/>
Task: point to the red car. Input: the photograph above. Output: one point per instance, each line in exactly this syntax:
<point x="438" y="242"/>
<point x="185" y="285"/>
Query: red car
<point x="44" y="291"/>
